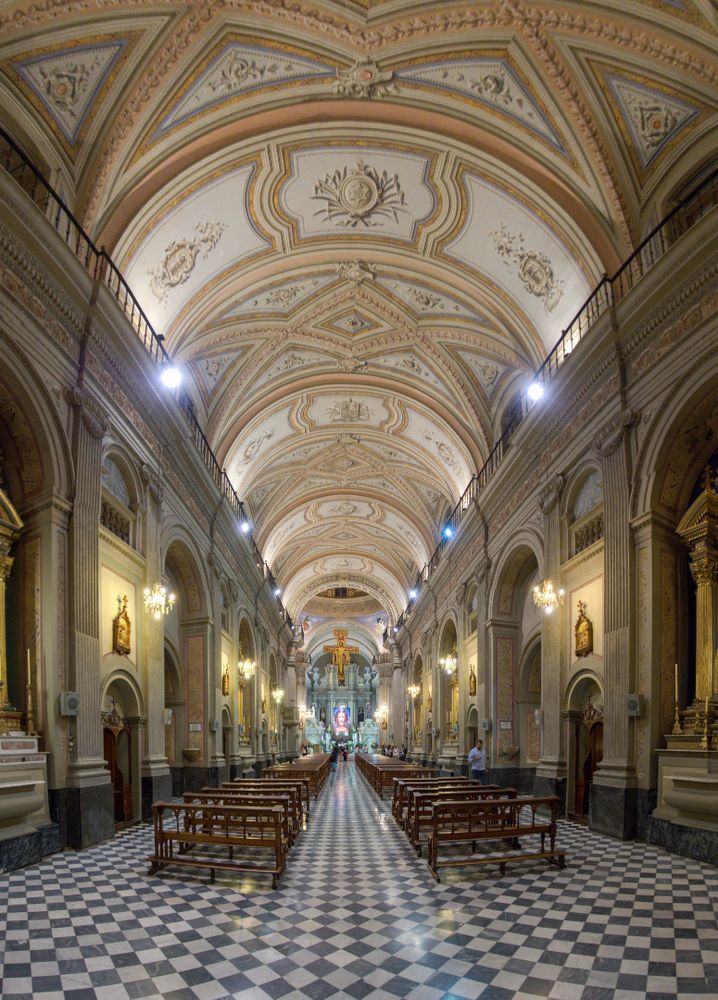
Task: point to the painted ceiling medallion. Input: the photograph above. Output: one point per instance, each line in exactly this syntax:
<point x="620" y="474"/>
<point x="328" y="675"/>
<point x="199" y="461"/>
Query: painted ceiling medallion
<point x="652" y="116"/>
<point x="67" y="82"/>
<point x="534" y="268"/>
<point x="363" y="80"/>
<point x="359" y="197"/>
<point x="180" y="257"/>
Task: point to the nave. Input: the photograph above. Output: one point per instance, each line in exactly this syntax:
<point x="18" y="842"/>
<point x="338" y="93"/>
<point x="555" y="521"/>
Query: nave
<point x="357" y="915"/>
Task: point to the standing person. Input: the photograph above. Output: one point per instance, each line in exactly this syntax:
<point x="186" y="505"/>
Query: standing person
<point x="477" y="763"/>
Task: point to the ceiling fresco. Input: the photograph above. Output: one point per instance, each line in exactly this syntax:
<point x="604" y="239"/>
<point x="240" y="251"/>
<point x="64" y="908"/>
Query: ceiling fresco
<point x="360" y="226"/>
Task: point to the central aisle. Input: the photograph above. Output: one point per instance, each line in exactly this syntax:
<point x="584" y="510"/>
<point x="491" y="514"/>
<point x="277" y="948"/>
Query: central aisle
<point x="358" y="915"/>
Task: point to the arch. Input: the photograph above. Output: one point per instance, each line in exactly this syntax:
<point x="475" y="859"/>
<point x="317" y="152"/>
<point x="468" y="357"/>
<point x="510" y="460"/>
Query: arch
<point x="681" y="436"/>
<point x="28" y="410"/>
<point x="184" y="565"/>
<point x="513" y="571"/>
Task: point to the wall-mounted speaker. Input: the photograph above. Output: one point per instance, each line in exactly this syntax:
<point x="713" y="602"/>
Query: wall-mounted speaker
<point x="635" y="706"/>
<point x="69" y="703"/>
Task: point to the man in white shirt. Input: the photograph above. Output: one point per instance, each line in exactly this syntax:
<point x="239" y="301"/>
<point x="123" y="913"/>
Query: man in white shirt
<point x="477" y="763"/>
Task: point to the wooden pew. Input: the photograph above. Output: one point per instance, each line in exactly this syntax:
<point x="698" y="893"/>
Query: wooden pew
<point x="493" y="819"/>
<point x="213" y="828"/>
<point x="223" y="796"/>
<point x="400" y="795"/>
<point x="421" y="802"/>
<point x="297" y="787"/>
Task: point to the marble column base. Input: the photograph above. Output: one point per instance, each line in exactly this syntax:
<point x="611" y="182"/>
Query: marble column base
<point x="90" y="815"/>
<point x="29" y="848"/>
<point x="613" y="810"/>
<point x="155" y="788"/>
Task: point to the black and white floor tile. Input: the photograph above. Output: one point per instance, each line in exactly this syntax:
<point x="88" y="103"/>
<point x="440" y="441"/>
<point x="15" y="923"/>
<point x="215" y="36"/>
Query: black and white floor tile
<point x="358" y="915"/>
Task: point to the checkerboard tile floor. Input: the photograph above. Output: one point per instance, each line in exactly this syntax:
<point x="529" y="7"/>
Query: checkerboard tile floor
<point x="358" y="915"/>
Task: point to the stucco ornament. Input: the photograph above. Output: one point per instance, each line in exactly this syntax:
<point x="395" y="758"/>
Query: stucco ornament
<point x="180" y="257"/>
<point x="359" y="197"/>
<point x="363" y="80"/>
<point x="534" y="268"/>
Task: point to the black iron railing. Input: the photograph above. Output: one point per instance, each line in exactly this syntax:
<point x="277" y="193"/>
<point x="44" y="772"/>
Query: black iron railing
<point x="103" y="269"/>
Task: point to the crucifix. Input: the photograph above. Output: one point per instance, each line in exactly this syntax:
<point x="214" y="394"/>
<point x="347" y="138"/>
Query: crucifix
<point x="340" y="653"/>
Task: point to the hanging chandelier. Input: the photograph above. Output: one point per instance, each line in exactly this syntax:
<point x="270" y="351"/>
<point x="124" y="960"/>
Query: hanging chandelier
<point x="246" y="667"/>
<point x="547" y="598"/>
<point x="449" y="663"/>
<point x="413" y="690"/>
<point x="158" y="602"/>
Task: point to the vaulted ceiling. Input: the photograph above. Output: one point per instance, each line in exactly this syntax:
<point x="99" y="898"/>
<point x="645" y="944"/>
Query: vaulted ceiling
<point x="361" y="225"/>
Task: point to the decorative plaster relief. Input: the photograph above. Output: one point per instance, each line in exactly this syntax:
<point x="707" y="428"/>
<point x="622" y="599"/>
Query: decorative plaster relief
<point x="534" y="268"/>
<point x="491" y="82"/>
<point x="329" y="192"/>
<point x="68" y="82"/>
<point x="238" y="70"/>
<point x="180" y="256"/>
<point x="517" y="250"/>
<point x="652" y="118"/>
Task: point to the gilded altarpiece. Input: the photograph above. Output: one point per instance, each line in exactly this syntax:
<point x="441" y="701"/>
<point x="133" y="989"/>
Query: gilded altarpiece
<point x="505" y="696"/>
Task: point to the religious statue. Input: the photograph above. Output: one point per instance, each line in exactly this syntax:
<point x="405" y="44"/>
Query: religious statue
<point x="583" y="632"/>
<point x="472" y="681"/>
<point x="225" y="682"/>
<point x="341" y="654"/>
<point x="122" y="629"/>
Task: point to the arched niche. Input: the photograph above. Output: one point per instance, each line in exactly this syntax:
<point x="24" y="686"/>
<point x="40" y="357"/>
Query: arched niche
<point x="514" y="619"/>
<point x="448" y="647"/>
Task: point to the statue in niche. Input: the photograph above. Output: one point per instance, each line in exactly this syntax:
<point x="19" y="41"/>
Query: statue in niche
<point x="472" y="680"/>
<point x="583" y="632"/>
<point x="122" y="629"/>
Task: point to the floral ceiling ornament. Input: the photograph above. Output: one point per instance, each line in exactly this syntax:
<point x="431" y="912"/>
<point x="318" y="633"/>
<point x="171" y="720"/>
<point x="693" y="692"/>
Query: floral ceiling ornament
<point x="180" y="257"/>
<point x="534" y="268"/>
<point x="355" y="271"/>
<point x="359" y="197"/>
<point x="362" y="80"/>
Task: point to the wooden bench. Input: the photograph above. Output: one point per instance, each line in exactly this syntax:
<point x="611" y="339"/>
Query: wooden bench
<point x="297" y="784"/>
<point x="228" y="797"/>
<point x="400" y="795"/>
<point x="493" y="819"/>
<point x="213" y="828"/>
<point x="420" y="809"/>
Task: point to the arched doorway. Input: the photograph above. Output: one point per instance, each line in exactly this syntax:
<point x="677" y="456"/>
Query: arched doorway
<point x="121" y="748"/>
<point x="585" y="745"/>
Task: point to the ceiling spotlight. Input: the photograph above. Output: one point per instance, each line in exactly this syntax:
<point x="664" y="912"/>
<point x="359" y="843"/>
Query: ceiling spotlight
<point x="535" y="391"/>
<point x="244" y="526"/>
<point x="448" y="531"/>
<point x="412" y="594"/>
<point x="171" y="376"/>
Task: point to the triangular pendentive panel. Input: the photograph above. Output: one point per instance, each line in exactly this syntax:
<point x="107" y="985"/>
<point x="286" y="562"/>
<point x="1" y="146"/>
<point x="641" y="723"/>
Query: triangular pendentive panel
<point x="651" y="117"/>
<point x="68" y="81"/>
<point x="237" y="70"/>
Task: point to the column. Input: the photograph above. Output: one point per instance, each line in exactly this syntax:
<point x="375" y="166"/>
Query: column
<point x="613" y="798"/>
<point x="155" y="773"/>
<point x="551" y="771"/>
<point x="90" y="799"/>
